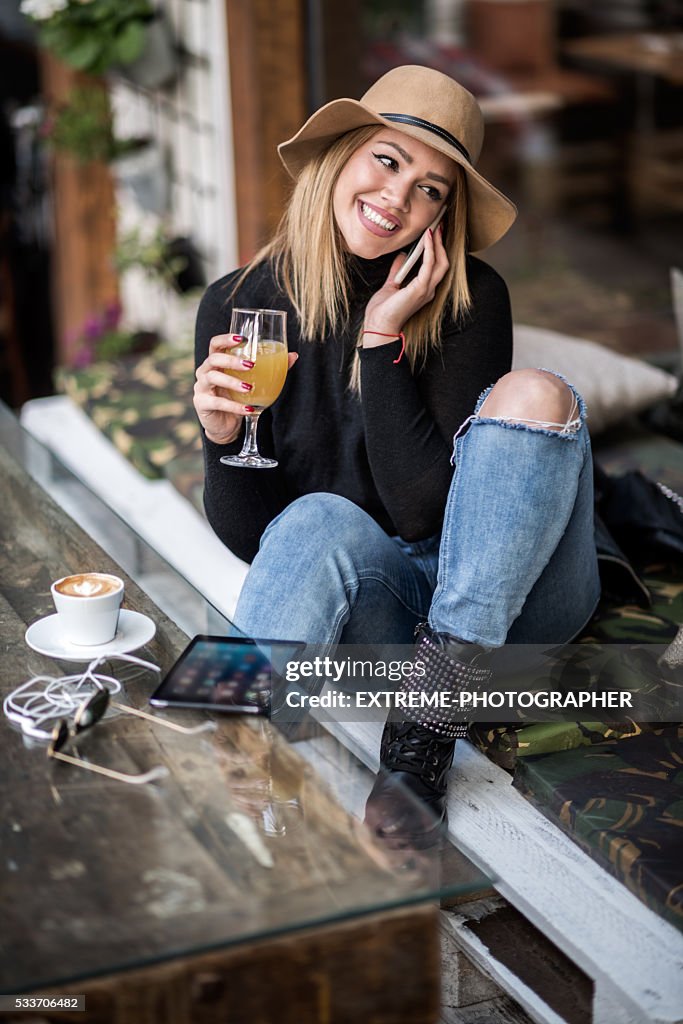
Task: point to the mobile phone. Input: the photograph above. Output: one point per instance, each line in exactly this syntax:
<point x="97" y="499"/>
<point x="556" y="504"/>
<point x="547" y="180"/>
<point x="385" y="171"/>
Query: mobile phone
<point x="231" y="674"/>
<point x="417" y="249"/>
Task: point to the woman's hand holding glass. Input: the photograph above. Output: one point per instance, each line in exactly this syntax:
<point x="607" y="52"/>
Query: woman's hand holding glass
<point x="252" y="361"/>
<point x="392" y="306"/>
<point x="217" y="392"/>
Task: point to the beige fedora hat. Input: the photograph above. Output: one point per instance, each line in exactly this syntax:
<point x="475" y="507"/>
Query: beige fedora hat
<point x="432" y="108"/>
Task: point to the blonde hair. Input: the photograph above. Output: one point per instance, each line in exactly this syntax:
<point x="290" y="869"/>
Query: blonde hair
<point x="318" y="287"/>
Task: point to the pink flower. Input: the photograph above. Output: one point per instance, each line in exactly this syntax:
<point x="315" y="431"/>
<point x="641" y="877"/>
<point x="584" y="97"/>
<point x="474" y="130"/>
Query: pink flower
<point x="83" y="357"/>
<point x="112" y="315"/>
<point x="93" y="328"/>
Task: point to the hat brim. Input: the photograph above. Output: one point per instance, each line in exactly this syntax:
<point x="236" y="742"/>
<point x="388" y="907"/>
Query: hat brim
<point x="490" y="213"/>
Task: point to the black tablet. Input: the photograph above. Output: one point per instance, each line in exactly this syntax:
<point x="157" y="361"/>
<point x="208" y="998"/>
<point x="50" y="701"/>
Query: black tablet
<point x="232" y="674"/>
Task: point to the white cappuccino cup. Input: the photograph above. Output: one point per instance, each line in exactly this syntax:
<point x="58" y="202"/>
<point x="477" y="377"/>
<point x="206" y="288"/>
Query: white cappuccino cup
<point x="88" y="605"/>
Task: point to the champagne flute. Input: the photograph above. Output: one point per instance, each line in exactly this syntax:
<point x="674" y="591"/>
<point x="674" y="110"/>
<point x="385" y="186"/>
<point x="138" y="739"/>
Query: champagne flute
<point x="265" y="344"/>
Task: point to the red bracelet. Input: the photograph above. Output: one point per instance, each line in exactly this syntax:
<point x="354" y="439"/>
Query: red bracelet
<point x="400" y="335"/>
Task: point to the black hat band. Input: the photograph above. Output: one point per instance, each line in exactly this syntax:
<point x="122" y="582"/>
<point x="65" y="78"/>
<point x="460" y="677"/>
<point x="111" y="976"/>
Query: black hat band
<point x="418" y="122"/>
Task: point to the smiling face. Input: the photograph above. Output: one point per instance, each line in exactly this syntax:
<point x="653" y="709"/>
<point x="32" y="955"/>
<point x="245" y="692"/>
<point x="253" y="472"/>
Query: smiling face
<point x="390" y="189"/>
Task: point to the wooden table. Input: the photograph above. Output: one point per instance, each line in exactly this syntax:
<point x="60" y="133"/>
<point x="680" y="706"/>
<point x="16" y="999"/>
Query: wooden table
<point x="235" y="890"/>
<point x="652" y="157"/>
<point x="652" y="53"/>
<point x="647" y="55"/>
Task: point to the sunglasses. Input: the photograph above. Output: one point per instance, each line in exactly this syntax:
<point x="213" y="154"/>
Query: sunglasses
<point x="88" y="714"/>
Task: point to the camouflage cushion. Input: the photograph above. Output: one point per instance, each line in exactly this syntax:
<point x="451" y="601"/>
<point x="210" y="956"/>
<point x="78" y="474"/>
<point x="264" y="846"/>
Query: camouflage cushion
<point x="616" y="790"/>
<point x="622" y="802"/>
<point x="144" y="406"/>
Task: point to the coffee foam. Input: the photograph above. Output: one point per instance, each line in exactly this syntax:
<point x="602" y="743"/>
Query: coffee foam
<point x="88" y="584"/>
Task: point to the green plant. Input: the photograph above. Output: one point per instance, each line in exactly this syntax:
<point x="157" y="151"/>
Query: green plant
<point x="83" y="126"/>
<point x="152" y="255"/>
<point x="91" y="35"/>
<point x="103" y="339"/>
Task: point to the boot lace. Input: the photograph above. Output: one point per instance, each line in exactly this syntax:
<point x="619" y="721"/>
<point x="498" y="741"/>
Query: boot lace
<point x="413" y="749"/>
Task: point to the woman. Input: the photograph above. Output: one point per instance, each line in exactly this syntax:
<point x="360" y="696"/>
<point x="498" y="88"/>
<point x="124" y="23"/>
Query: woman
<point x="367" y="529"/>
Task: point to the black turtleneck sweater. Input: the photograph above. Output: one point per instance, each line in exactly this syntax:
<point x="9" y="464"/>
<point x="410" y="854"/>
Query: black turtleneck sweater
<point x="387" y="450"/>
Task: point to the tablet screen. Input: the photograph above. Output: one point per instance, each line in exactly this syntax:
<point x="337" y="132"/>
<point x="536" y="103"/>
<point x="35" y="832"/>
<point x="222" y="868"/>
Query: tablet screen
<point x="221" y="673"/>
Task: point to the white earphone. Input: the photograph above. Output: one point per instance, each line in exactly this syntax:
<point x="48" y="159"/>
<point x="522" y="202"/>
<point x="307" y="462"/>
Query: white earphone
<point x="44" y="699"/>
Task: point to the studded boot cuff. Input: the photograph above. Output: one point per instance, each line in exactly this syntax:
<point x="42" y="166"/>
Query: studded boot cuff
<point x="436" y="706"/>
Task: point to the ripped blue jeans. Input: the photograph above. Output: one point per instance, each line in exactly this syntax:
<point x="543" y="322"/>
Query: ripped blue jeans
<point x="515" y="560"/>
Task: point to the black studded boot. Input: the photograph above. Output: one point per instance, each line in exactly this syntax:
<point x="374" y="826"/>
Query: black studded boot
<point x="407" y="804"/>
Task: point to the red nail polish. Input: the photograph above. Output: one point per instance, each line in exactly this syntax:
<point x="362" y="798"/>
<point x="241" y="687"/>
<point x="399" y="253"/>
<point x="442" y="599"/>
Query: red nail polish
<point x="248" y="364"/>
<point x="238" y="337"/>
<point x="246" y="386"/>
<point x="249" y="408"/>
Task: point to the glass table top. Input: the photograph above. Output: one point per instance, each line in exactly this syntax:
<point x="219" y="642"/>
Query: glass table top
<point x="255" y="831"/>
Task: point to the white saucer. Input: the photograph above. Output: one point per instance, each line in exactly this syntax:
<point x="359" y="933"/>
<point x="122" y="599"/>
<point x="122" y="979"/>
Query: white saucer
<point x="134" y="630"/>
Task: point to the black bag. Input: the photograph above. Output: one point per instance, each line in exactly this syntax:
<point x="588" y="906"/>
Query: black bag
<point x="644" y="517"/>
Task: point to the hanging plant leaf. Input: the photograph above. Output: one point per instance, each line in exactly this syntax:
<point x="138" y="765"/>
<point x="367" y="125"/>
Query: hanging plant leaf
<point x="93" y="35"/>
<point x="83" y="52"/>
<point x="130" y="42"/>
<point x="82" y="126"/>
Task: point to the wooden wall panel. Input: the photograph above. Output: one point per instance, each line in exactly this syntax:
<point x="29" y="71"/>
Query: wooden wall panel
<point x="341" y="60"/>
<point x="84" y="281"/>
<point x="266" y="45"/>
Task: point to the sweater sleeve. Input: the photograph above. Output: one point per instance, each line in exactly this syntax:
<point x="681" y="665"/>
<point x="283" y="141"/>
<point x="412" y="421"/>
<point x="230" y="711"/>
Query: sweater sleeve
<point x="239" y="503"/>
<point x="410" y="420"/>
